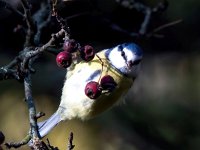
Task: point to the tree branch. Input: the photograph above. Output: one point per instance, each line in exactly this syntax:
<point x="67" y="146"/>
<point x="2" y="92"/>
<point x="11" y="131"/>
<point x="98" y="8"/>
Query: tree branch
<point x="146" y="10"/>
<point x="31" y="105"/>
<point x="18" y="144"/>
<point x="32" y="28"/>
<point x="42" y="18"/>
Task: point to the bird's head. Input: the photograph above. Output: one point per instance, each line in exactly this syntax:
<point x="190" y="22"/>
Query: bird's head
<point x="126" y="58"/>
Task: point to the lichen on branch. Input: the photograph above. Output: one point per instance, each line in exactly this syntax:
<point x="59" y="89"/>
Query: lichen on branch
<point x="20" y="68"/>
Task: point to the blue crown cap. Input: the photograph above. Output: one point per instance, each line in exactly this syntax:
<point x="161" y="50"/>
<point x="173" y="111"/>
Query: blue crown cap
<point x="133" y="47"/>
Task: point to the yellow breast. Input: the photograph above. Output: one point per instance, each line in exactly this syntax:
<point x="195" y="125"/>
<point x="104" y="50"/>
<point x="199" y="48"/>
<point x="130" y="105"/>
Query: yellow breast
<point x="106" y="100"/>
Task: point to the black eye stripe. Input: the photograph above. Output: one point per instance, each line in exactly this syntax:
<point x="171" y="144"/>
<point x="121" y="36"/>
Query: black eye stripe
<point x="122" y="53"/>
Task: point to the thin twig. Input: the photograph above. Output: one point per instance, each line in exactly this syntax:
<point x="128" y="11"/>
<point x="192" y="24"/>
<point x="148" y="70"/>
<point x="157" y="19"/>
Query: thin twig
<point x="30" y="23"/>
<point x="8" y="74"/>
<point x="166" y="25"/>
<point x="18" y="144"/>
<point x="42" y="18"/>
<point x="70" y="145"/>
<point x="50" y="146"/>
<point x="146" y="10"/>
<point x="154" y="32"/>
<point x="23" y="59"/>
<point x="146" y="21"/>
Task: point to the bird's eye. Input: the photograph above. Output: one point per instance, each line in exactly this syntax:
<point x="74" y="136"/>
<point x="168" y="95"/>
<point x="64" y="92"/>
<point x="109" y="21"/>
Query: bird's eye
<point x="122" y="53"/>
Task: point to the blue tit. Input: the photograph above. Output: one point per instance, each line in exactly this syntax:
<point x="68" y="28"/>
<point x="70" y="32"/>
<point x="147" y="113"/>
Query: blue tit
<point x="121" y="62"/>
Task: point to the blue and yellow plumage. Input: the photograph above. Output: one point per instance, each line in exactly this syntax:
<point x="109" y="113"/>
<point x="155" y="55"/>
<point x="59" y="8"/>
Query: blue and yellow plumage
<point x="121" y="62"/>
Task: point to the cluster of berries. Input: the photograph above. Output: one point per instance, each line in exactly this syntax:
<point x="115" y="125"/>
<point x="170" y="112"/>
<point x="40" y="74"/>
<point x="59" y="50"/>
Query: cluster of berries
<point x="94" y="89"/>
<point x="64" y="58"/>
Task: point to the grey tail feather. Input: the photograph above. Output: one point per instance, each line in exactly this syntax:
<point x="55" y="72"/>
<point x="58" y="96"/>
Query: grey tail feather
<point x="46" y="126"/>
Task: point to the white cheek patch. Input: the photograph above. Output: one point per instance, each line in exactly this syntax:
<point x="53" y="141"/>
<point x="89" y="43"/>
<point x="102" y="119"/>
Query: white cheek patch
<point x="119" y="62"/>
<point x="116" y="59"/>
<point x="129" y="54"/>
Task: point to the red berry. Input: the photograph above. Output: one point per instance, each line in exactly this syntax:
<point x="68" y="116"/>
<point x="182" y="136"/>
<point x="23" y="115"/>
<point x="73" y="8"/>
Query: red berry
<point x="93" y="90"/>
<point x="2" y="137"/>
<point x="64" y="59"/>
<point x="87" y="53"/>
<point x="70" y="45"/>
<point x="108" y="83"/>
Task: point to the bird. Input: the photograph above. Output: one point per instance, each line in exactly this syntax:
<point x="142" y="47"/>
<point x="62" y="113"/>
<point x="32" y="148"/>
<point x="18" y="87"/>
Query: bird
<point x="111" y="73"/>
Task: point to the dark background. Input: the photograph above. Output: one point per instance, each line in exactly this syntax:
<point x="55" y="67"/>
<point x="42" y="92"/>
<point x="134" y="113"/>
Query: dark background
<point x="162" y="108"/>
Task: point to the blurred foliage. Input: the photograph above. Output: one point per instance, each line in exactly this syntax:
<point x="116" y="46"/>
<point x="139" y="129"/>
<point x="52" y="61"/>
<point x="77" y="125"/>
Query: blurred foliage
<point x="162" y="108"/>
